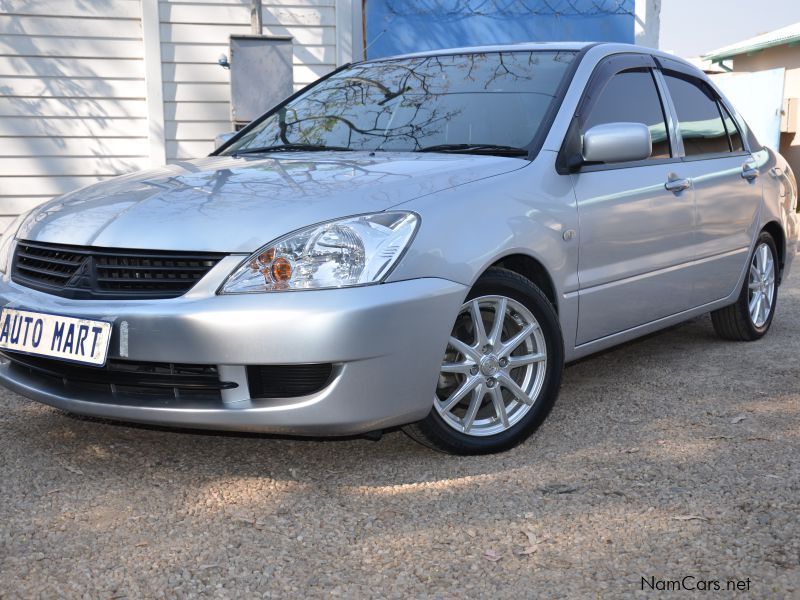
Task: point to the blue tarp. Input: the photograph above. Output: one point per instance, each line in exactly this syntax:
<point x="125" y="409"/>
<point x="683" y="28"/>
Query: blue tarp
<point x="401" y="26"/>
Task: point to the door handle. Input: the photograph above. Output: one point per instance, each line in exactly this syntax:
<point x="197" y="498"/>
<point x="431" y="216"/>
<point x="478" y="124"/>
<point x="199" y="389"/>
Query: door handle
<point x="676" y="184"/>
<point x="749" y="173"/>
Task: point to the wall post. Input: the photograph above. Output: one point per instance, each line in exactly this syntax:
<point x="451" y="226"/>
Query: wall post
<point x="151" y="38"/>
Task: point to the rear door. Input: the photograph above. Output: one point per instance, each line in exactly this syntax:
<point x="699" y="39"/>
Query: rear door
<point x="726" y="185"/>
<point x="635" y="235"/>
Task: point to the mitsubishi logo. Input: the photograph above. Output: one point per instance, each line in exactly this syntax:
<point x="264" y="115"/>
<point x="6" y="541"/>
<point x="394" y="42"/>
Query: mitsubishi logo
<point x="82" y="278"/>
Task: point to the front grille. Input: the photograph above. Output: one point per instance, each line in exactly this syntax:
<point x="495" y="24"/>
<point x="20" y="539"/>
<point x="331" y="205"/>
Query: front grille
<point x="88" y="273"/>
<point x="287" y="381"/>
<point x="128" y="378"/>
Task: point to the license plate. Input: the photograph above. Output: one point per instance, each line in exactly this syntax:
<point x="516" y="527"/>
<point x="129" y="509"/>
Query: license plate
<point x="55" y="336"/>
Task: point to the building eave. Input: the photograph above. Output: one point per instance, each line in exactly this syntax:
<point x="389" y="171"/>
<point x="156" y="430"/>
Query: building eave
<point x="788" y="36"/>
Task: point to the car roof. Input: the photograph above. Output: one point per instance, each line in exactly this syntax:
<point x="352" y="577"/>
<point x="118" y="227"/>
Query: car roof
<point x="603" y="48"/>
<point x="523" y="46"/>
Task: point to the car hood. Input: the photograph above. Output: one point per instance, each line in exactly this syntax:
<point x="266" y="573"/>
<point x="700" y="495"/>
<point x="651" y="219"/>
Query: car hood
<point x="230" y="204"/>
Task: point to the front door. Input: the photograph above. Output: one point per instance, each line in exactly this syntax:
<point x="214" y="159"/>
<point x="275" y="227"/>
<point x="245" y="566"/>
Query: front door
<point x="635" y="234"/>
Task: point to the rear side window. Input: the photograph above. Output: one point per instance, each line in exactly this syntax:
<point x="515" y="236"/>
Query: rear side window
<point x="632" y="97"/>
<point x="699" y="118"/>
<point x="733" y="131"/>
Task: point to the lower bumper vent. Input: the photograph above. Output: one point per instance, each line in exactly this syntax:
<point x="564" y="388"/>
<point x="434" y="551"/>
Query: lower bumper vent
<point x="287" y="381"/>
<point x="124" y="378"/>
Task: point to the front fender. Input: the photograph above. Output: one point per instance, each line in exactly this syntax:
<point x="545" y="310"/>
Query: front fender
<point x="466" y="229"/>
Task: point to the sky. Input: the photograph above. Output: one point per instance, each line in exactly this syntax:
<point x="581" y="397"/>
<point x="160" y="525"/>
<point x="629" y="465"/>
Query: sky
<point x="693" y="27"/>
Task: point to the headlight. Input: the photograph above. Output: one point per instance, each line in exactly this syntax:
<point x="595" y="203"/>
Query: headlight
<point x="343" y="253"/>
<point x="7" y="241"/>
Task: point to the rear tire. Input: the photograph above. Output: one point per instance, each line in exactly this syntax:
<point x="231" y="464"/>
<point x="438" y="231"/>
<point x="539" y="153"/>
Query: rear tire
<point x="750" y="317"/>
<point x="498" y="381"/>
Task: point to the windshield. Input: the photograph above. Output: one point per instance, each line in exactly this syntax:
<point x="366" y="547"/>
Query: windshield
<point x="437" y="103"/>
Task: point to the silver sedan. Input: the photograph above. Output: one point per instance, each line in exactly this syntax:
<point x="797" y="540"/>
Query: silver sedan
<point x="421" y="241"/>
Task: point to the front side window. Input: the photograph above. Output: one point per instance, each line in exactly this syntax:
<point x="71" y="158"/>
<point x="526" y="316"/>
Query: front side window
<point x="632" y="97"/>
<point x="699" y="118"/>
<point x="413" y="104"/>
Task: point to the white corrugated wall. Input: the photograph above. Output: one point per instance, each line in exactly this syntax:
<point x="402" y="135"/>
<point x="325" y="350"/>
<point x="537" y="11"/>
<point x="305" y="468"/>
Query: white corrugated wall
<point x="72" y="97"/>
<point x="84" y="97"/>
<point x="193" y="35"/>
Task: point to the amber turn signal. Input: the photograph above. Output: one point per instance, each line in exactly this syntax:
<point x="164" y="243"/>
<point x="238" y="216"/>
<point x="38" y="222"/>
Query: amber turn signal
<point x="281" y="270"/>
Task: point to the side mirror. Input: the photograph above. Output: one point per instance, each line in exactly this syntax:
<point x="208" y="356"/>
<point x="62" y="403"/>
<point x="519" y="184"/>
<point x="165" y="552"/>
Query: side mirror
<point x="222" y="138"/>
<point x="617" y="142"/>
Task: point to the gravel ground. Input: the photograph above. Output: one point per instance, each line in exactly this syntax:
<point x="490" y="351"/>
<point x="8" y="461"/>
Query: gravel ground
<point x="673" y="456"/>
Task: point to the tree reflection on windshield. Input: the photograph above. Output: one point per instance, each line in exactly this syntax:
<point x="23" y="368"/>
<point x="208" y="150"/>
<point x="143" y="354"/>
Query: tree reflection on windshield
<point x="489" y="99"/>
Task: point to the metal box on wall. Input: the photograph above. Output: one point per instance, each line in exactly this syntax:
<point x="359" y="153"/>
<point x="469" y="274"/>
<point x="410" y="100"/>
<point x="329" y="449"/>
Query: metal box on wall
<point x="261" y="75"/>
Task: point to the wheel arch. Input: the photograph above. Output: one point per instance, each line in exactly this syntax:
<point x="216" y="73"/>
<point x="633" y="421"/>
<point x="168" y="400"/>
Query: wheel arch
<point x="775" y="230"/>
<point x="532" y="269"/>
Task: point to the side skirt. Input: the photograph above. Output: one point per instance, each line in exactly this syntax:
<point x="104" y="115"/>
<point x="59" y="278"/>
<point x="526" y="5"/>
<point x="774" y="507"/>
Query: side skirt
<point x="636" y="332"/>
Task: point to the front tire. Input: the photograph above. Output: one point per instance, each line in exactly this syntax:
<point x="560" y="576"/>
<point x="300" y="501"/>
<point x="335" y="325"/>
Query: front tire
<point x="501" y="371"/>
<point x="750" y="318"/>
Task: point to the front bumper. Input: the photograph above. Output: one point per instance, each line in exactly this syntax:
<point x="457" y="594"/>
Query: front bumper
<point x="386" y="342"/>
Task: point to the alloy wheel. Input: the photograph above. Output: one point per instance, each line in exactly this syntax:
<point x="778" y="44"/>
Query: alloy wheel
<point x="761" y="285"/>
<point x="494" y="367"/>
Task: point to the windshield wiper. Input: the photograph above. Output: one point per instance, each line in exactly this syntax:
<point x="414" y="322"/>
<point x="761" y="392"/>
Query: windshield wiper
<point x="290" y="148"/>
<point x="476" y="149"/>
